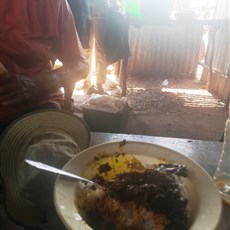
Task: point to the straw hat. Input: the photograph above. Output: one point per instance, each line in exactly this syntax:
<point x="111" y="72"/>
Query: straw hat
<point x="46" y="135"/>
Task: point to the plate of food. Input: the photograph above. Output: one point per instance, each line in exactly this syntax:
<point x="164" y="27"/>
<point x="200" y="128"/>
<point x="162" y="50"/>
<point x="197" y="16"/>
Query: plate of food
<point x="139" y="185"/>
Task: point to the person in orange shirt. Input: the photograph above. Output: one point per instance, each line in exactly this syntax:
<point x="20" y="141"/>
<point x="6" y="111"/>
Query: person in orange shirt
<point x="32" y="34"/>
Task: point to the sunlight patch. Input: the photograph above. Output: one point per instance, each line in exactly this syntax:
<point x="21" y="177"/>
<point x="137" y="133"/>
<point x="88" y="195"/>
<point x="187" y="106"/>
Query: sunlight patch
<point x="195" y="97"/>
<point x="187" y="91"/>
<point x="136" y="89"/>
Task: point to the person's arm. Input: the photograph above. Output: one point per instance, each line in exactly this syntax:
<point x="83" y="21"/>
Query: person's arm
<point x="70" y="52"/>
<point x="68" y="75"/>
<point x="18" y="89"/>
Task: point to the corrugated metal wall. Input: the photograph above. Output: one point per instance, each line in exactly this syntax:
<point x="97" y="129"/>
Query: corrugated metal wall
<point x="222" y="9"/>
<point x="218" y="49"/>
<point x="217" y="68"/>
<point x="218" y="64"/>
<point x="173" y="51"/>
<point x="164" y="50"/>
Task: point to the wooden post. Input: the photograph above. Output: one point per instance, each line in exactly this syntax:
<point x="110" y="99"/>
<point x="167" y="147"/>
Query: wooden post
<point x="123" y="77"/>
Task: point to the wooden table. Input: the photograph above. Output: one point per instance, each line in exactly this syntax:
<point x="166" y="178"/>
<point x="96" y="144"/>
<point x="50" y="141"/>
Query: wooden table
<point x="205" y="153"/>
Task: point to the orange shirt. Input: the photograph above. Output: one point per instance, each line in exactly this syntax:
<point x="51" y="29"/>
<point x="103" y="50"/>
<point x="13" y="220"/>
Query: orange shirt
<point x="32" y="32"/>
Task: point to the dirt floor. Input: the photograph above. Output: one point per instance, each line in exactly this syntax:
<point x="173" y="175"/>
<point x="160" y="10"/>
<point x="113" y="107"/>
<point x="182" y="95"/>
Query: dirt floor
<point x="182" y="108"/>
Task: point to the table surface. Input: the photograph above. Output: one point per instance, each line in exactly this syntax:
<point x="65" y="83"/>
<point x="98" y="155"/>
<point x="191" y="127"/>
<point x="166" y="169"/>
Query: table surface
<point x="205" y="153"/>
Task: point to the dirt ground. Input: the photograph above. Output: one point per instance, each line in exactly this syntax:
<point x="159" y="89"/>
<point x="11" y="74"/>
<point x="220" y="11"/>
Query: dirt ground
<point x="182" y="108"/>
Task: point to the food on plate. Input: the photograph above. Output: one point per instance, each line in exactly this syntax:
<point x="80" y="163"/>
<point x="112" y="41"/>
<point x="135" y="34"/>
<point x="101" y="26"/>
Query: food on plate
<point x="108" y="166"/>
<point x="136" y="196"/>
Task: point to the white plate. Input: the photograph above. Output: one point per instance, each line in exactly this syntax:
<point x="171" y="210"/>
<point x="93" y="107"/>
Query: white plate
<point x="204" y="199"/>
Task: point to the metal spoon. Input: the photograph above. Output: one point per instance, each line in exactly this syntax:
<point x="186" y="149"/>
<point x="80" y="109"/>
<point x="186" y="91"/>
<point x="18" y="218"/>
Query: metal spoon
<point x="52" y="169"/>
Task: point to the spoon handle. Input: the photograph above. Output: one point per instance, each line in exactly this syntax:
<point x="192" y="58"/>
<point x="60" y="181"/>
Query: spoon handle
<point x="49" y="168"/>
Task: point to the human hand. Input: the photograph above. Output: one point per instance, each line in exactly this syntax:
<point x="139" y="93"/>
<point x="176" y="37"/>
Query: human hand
<point x="16" y="89"/>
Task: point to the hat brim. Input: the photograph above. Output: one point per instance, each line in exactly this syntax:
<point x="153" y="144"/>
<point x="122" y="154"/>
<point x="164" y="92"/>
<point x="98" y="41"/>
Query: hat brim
<point x="12" y="155"/>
